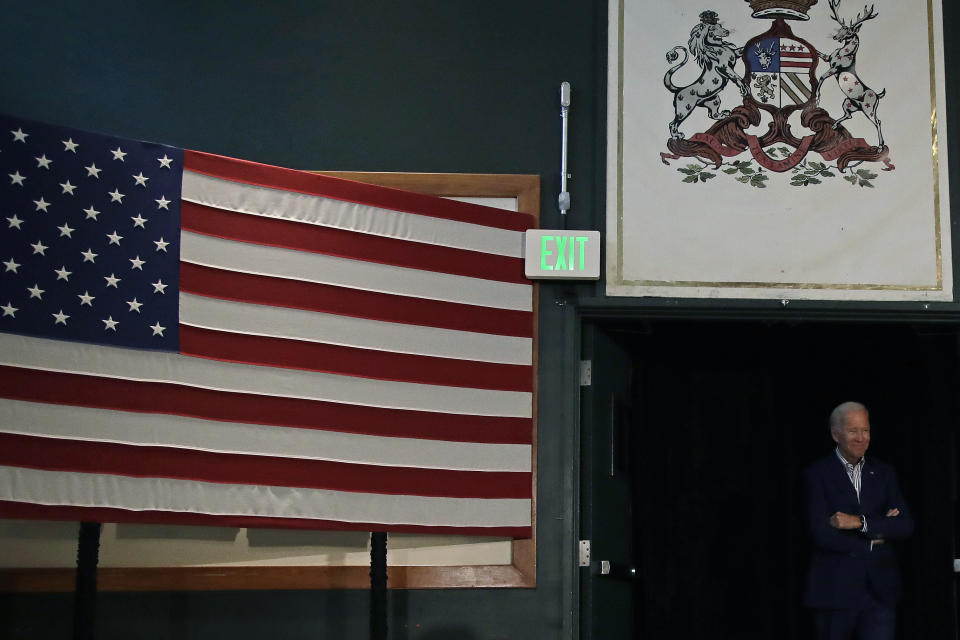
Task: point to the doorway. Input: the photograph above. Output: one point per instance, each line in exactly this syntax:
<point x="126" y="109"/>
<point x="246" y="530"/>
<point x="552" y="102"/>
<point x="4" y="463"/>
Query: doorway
<point x="721" y="420"/>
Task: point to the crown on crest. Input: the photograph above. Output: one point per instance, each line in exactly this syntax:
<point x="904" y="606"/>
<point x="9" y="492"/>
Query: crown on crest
<point x="787" y="9"/>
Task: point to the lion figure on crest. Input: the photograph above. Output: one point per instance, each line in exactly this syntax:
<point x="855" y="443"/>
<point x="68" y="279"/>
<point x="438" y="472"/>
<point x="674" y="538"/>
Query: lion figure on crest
<point x="716" y="58"/>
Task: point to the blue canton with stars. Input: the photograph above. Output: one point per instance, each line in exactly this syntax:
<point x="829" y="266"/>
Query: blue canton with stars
<point x="89" y="236"/>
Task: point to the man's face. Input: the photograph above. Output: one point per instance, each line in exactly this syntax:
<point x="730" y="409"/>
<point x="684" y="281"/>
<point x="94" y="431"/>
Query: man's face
<point x="853" y="437"/>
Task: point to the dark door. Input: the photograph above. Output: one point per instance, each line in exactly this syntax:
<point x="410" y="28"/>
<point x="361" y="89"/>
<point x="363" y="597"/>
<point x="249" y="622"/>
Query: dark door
<point x="606" y="500"/>
<point x="728" y="416"/>
<point x="694" y="436"/>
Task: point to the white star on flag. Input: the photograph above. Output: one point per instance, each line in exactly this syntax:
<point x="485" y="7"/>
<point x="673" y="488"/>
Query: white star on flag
<point x="164" y="161"/>
<point x="115" y="238"/>
<point x="138" y="221"/>
<point x="43" y="162"/>
<point x="89" y="255"/>
<point x="134" y="305"/>
<point x="60" y="317"/>
<point x="70" y="145"/>
<point x="157" y="329"/>
<point x="115" y="195"/>
<point x="91" y="212"/>
<point x="141" y="180"/>
<point x="161" y="244"/>
<point x="163" y="202"/>
<point x="11" y="265"/>
<point x="66" y="230"/>
<point x="86" y="299"/>
<point x="92" y="171"/>
<point x="62" y="273"/>
<point x="14" y="222"/>
<point x="158" y="286"/>
<point x="112" y="280"/>
<point x="36" y="292"/>
<point x="16" y="178"/>
<point x="42" y="205"/>
<point x="118" y="154"/>
<point x="19" y="136"/>
<point x="39" y="247"/>
<point x="67" y="187"/>
<point x="10" y="310"/>
<point x="137" y="263"/>
<point x="110" y="324"/>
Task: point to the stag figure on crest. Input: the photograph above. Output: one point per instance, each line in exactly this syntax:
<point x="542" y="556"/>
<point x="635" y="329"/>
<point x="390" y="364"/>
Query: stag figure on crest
<point x="843" y="66"/>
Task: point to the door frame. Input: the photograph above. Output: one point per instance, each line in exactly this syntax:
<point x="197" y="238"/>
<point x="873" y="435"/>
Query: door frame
<point x="604" y="311"/>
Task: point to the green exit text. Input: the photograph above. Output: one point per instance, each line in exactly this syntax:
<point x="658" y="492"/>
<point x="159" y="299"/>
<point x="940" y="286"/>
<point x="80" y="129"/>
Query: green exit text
<point x="566" y="253"/>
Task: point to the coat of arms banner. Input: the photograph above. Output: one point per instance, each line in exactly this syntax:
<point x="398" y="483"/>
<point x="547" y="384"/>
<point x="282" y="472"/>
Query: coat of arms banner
<point x="777" y="149"/>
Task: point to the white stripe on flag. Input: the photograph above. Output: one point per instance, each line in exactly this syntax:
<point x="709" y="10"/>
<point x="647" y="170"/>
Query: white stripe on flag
<point x="287" y="205"/>
<point x="164" y="494"/>
<point x="356" y="274"/>
<point x="128" y="364"/>
<point x="145" y="429"/>
<point x="298" y="324"/>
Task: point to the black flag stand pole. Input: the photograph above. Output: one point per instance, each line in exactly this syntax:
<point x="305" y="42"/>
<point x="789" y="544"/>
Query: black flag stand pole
<point x="85" y="592"/>
<point x="378" y="586"/>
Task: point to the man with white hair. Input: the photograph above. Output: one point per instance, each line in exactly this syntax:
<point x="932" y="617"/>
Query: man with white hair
<point x="855" y="511"/>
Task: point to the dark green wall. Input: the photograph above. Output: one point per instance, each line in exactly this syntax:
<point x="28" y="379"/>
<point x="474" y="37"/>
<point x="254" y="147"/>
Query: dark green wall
<point x="408" y="85"/>
<point x="374" y="85"/>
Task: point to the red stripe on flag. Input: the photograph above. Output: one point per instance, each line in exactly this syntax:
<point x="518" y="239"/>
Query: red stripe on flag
<point x="352" y="361"/>
<point x="173" y="399"/>
<point x="78" y="456"/>
<point x="795" y="64"/>
<point x="311" y="296"/>
<point x="349" y="244"/>
<point x="26" y="511"/>
<point x="350" y="191"/>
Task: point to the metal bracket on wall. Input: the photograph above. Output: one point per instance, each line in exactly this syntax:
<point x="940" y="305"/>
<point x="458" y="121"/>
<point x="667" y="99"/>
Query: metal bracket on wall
<point x="586" y="373"/>
<point x="583" y="559"/>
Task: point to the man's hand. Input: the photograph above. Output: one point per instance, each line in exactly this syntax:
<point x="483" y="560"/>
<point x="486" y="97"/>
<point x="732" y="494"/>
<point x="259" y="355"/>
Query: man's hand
<point x="841" y="520"/>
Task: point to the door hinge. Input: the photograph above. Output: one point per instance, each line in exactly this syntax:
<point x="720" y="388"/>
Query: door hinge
<point x="586" y="373"/>
<point x="584" y="556"/>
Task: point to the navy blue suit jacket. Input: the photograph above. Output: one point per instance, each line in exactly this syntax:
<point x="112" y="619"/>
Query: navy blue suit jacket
<point x="843" y="569"/>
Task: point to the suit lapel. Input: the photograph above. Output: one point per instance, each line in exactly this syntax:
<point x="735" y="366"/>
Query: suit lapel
<point x="843" y="480"/>
<point x="868" y="486"/>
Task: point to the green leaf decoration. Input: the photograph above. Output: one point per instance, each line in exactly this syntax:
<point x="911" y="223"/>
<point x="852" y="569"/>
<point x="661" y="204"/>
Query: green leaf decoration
<point x="706" y="175"/>
<point x="690" y="179"/>
<point x="694" y="167"/>
<point x="827" y="174"/>
<point x="865" y="183"/>
<point x="689" y="172"/>
<point x="851" y="179"/>
<point x="747" y="170"/>
<point x="870" y="176"/>
<point x="815" y="181"/>
<point x="743" y="179"/>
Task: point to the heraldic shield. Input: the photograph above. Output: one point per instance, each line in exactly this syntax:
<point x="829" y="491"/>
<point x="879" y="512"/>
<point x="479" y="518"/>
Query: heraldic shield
<point x="782" y="74"/>
<point x="781" y="70"/>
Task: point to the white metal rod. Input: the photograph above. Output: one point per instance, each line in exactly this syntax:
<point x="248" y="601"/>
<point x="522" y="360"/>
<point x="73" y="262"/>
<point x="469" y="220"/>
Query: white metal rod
<point x="564" y="199"/>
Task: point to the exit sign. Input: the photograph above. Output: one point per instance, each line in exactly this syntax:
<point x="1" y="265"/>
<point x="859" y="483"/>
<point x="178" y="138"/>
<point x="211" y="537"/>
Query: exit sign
<point x="562" y="254"/>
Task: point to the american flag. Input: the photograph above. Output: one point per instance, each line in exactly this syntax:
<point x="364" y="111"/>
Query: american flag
<point x="195" y="339"/>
